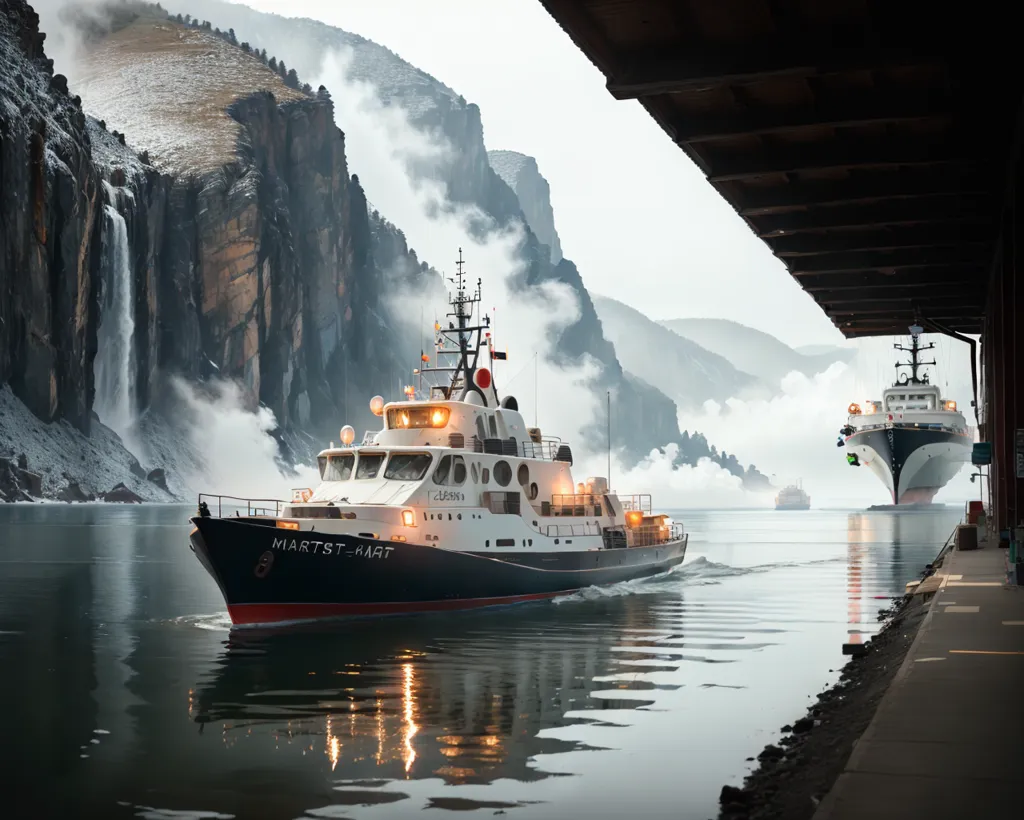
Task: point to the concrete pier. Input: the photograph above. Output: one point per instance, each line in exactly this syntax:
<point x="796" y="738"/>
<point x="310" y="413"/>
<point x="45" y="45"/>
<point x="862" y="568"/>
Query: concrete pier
<point x="946" y="740"/>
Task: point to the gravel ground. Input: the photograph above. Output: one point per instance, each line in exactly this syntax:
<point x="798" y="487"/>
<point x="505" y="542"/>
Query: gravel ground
<point x="795" y="775"/>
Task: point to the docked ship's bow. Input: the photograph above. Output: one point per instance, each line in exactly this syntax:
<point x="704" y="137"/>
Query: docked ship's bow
<point x="914" y="463"/>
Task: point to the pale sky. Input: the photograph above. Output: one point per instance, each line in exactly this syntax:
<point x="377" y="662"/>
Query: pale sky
<point x="633" y="212"/>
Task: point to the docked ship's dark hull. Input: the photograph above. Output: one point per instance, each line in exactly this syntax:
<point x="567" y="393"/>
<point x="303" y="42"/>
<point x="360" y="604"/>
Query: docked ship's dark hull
<point x="270" y="575"/>
<point x="914" y="463"/>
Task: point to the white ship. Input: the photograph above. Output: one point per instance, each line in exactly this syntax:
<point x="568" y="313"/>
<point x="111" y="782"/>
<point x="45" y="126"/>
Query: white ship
<point x="793" y="497"/>
<point x="913" y="438"/>
<point x="454" y="504"/>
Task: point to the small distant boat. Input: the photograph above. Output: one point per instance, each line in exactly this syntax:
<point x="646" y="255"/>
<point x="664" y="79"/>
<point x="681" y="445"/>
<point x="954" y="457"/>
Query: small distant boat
<point x="792" y="497"/>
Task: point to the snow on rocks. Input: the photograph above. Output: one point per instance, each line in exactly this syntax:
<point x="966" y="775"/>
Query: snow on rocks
<point x="168" y="89"/>
<point x="70" y="465"/>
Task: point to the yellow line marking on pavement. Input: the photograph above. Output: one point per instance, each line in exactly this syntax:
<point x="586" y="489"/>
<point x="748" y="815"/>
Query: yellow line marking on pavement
<point x="954" y="577"/>
<point x="980" y="652"/>
<point x="963" y="609"/>
<point x="926" y="660"/>
<point x="1013" y="623"/>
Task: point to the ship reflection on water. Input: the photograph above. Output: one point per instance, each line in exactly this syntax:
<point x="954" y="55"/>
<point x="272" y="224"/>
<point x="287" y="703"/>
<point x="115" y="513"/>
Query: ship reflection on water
<point x="122" y="702"/>
<point x="390" y="701"/>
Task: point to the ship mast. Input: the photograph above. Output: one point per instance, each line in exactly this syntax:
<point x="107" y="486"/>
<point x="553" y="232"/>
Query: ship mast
<point x="462" y="340"/>
<point x="915" y="350"/>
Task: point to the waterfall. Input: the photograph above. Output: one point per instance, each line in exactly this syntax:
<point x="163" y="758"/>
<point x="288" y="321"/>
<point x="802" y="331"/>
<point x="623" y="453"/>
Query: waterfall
<point x="115" y="365"/>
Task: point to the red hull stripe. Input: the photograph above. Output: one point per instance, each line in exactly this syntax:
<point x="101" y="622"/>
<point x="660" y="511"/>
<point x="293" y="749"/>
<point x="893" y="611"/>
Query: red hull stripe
<point x="278" y="613"/>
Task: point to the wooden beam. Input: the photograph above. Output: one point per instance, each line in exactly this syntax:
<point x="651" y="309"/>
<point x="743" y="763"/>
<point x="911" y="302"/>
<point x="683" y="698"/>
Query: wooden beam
<point x="871" y="188"/>
<point x="835" y="153"/>
<point x="897" y="327"/>
<point x="880" y="239"/>
<point x="894" y="260"/>
<point x="935" y="309"/>
<point x="952" y="276"/>
<point x="689" y="66"/>
<point x="946" y="209"/>
<point x="964" y="293"/>
<point x="862" y="109"/>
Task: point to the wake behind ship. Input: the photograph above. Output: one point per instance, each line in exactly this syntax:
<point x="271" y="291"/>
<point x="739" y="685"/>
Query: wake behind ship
<point x="913" y="439"/>
<point x="454" y="504"/>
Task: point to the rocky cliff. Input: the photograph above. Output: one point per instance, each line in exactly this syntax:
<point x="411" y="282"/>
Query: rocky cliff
<point x="51" y="202"/>
<point x="521" y="174"/>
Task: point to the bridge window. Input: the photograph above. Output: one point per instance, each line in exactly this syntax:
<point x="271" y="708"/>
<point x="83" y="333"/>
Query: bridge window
<point x="339" y="468"/>
<point x="369" y="465"/>
<point x="424" y="415"/>
<point x="407" y="466"/>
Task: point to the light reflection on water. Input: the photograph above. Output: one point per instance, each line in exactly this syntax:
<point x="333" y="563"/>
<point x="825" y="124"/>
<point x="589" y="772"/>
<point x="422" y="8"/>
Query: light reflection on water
<point x="127" y="695"/>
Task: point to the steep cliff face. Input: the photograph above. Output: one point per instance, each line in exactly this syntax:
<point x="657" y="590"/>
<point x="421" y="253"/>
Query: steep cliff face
<point x="252" y="247"/>
<point x="521" y="174"/>
<point x="50" y="205"/>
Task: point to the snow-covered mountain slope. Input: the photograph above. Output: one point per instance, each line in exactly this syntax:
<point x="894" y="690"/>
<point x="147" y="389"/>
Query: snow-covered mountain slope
<point x="168" y="89"/>
<point x="683" y="369"/>
<point x="753" y="351"/>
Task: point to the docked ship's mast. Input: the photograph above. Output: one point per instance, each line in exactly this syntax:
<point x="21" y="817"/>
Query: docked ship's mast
<point x="915" y="350"/>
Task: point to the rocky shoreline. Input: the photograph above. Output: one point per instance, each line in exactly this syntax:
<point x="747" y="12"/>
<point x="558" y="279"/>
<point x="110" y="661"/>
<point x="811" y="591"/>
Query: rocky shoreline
<point x="794" y="776"/>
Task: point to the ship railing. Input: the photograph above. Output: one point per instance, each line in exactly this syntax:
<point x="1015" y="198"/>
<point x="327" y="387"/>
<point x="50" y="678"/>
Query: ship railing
<point x="651" y="535"/>
<point x="546" y="449"/>
<point x="640" y="502"/>
<point x="583" y="505"/>
<point x="234" y="505"/>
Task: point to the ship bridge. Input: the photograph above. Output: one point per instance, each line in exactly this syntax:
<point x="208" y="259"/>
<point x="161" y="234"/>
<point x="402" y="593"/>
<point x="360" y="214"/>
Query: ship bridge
<point x="873" y="146"/>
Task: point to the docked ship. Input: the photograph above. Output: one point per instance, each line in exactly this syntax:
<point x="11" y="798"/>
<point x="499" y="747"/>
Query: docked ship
<point x="455" y="503"/>
<point x="913" y="439"/>
<point x="792" y="497"/>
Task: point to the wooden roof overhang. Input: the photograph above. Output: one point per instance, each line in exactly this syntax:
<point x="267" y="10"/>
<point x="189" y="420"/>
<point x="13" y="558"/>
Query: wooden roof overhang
<point x="867" y="142"/>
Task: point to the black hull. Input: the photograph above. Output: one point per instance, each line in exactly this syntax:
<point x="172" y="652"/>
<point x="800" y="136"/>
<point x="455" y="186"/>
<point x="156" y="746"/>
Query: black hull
<point x="895" y="446"/>
<point x="271" y="575"/>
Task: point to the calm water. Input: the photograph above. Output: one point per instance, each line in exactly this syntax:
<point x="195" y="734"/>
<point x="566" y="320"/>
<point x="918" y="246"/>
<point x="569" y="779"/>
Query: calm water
<point x="124" y="694"/>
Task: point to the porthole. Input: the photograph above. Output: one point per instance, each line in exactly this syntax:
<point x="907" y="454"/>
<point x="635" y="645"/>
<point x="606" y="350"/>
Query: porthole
<point x="485" y="476"/>
<point x="474" y="472"/>
<point x="556" y="540"/>
<point x="460" y="516"/>
<point x="531" y="542"/>
<point x="523" y="474"/>
<point x="502" y="473"/>
<point x="534" y="492"/>
<point x="487" y="543"/>
<point x="449" y="516"/>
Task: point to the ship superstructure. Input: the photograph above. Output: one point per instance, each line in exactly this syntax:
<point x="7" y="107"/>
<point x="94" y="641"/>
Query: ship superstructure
<point x="454" y="503"/>
<point x="913" y="438"/>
